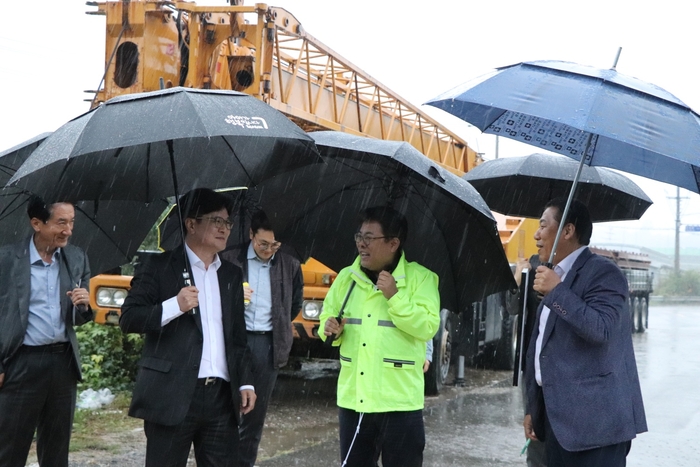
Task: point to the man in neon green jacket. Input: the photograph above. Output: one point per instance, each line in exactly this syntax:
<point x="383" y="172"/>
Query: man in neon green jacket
<point x="392" y="307"/>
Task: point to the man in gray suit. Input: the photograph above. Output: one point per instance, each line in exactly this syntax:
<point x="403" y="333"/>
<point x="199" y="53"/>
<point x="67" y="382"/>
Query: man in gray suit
<point x="583" y="395"/>
<point x="274" y="294"/>
<point x="44" y="294"/>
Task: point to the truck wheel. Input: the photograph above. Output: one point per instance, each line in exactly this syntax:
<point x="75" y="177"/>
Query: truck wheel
<point x="504" y="358"/>
<point x="643" y="312"/>
<point x="436" y="375"/>
<point x="637" y="325"/>
<point x="630" y="304"/>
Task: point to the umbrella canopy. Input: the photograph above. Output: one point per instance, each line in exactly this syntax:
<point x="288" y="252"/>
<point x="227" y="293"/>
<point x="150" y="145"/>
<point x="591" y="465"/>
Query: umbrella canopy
<point x="154" y="145"/>
<point x="564" y="107"/>
<point x="11" y="159"/>
<point x="521" y="186"/>
<point x="110" y="232"/>
<point x="450" y="229"/>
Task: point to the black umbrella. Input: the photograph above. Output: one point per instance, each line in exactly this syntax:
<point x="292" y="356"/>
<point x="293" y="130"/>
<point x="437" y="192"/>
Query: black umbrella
<point x="139" y="146"/>
<point x="110" y="232"/>
<point x="153" y="145"/>
<point x="521" y="186"/>
<point x="11" y="159"/>
<point x="451" y="230"/>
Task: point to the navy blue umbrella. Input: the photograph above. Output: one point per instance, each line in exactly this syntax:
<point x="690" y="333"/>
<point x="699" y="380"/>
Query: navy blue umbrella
<point x="599" y="117"/>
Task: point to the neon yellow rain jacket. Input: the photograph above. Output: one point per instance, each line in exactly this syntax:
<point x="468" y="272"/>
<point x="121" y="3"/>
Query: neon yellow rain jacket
<point x="382" y="347"/>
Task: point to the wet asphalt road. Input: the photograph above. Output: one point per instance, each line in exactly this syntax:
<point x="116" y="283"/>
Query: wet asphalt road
<point x="479" y="426"/>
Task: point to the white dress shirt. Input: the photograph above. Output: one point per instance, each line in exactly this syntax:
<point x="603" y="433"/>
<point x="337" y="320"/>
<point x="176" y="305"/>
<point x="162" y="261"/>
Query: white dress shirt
<point x="562" y="269"/>
<point x="213" y="363"/>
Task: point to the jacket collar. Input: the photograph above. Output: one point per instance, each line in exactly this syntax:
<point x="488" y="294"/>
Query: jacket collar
<point x="399" y="272"/>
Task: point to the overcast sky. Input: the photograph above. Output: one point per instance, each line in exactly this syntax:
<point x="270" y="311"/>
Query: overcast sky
<point x="51" y="51"/>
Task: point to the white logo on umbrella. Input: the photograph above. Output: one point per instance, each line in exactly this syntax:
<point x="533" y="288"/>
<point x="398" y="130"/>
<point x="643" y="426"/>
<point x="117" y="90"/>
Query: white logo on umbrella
<point x="247" y="122"/>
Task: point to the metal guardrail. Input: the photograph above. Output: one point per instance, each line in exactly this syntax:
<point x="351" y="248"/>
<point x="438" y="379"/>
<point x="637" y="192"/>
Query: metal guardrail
<point x="661" y="299"/>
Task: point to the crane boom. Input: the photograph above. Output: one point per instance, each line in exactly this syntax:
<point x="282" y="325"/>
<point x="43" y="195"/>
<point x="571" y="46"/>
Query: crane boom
<point x="263" y="51"/>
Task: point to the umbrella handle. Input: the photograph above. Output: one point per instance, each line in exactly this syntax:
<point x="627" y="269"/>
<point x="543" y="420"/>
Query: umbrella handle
<point x="188" y="283"/>
<point x="331" y="338"/>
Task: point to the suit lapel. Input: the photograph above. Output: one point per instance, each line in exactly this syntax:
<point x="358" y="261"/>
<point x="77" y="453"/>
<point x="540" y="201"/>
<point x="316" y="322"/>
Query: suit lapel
<point x="568" y="282"/>
<point x="243" y="260"/>
<point x="66" y="283"/>
<point x="225" y="287"/>
<point x="24" y="275"/>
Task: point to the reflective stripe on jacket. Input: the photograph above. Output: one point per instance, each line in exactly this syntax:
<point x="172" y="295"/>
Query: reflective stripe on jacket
<point x="382" y="347"/>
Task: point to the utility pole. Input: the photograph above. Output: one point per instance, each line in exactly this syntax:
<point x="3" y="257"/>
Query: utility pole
<point x="677" y="257"/>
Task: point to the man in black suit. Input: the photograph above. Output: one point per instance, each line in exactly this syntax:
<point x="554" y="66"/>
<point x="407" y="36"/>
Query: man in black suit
<point x="194" y="375"/>
<point x="44" y="294"/>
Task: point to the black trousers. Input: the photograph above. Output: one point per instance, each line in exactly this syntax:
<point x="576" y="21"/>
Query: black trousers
<point x="398" y="437"/>
<point x="264" y="379"/>
<point x="209" y="425"/>
<point x="38" y="394"/>
<point x="614" y="455"/>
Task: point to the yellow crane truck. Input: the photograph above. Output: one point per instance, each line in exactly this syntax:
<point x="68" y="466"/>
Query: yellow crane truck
<point x="264" y="51"/>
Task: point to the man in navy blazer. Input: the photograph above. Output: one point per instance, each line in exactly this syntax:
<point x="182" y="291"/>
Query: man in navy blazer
<point x="583" y="395"/>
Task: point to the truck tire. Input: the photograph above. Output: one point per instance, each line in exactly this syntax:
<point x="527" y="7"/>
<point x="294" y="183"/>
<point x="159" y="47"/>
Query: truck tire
<point x="636" y="314"/>
<point x="504" y="357"/>
<point x="642" y="314"/>
<point x="645" y="311"/>
<point x="436" y="375"/>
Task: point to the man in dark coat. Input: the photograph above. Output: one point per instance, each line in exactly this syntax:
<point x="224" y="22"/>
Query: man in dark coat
<point x="583" y="393"/>
<point x="194" y="376"/>
<point x="274" y="295"/>
<point x="44" y="294"/>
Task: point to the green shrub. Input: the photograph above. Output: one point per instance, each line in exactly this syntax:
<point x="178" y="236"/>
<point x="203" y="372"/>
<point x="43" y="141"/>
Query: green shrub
<point x="685" y="283"/>
<point x="108" y="357"/>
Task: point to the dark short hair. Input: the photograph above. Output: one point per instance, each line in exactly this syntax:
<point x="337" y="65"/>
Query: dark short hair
<point x="394" y="224"/>
<point x="260" y="221"/>
<point x="202" y="201"/>
<point x="40" y="209"/>
<point x="578" y="215"/>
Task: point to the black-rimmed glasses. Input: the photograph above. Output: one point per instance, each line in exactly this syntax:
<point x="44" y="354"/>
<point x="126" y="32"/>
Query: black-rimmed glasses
<point x="274" y="246"/>
<point x="218" y="221"/>
<point x="366" y="239"/>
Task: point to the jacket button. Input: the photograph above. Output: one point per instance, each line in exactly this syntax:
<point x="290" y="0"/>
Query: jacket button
<point x="361" y="401"/>
<point x="364" y="345"/>
<point x="369" y="316"/>
<point x="563" y="312"/>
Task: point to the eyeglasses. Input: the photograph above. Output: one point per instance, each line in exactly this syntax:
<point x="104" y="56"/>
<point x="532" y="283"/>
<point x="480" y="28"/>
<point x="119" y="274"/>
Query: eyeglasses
<point x="366" y="239"/>
<point x="218" y="221"/>
<point x="268" y="246"/>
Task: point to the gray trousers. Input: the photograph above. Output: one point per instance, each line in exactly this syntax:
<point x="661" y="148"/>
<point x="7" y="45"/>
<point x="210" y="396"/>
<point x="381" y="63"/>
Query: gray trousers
<point x="264" y="379"/>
